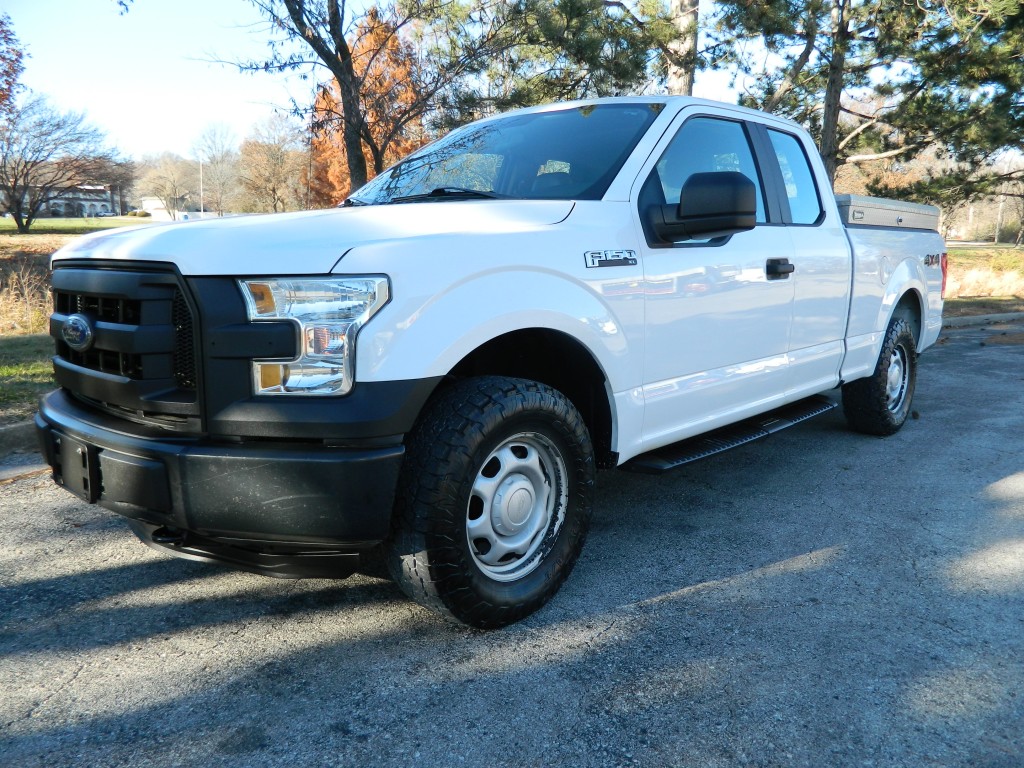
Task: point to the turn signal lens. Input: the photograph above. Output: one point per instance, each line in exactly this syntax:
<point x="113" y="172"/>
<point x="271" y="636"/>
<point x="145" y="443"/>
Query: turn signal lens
<point x="262" y="299"/>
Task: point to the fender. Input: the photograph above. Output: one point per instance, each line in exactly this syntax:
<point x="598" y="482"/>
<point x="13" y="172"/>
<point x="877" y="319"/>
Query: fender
<point x="431" y="324"/>
<point x="908" y="278"/>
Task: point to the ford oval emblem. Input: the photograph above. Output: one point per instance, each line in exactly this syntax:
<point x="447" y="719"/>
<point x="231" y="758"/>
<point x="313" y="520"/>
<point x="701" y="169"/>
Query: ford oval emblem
<point x="77" y="333"/>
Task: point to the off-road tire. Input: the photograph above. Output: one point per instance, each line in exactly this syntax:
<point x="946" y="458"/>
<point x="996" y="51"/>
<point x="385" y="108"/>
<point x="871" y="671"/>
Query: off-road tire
<point x="880" y="403"/>
<point x="522" y="446"/>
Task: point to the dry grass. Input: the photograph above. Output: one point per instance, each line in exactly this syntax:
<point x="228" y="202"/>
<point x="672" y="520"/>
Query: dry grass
<point x="985" y="272"/>
<point x="25" y="281"/>
<point x="973" y="283"/>
<point x="36" y="244"/>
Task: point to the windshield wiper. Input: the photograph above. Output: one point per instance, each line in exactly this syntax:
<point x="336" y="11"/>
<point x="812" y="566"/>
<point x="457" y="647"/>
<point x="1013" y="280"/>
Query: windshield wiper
<point x="351" y="202"/>
<point x="448" y="193"/>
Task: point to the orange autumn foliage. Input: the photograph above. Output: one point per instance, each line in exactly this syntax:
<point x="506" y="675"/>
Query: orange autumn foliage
<point x="387" y="68"/>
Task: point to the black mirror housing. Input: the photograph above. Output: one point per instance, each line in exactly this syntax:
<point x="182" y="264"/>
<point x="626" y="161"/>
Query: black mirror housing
<point x="710" y="205"/>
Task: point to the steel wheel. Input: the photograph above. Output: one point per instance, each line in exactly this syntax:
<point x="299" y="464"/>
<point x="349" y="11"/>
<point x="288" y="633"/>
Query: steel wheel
<point x="879" y="404"/>
<point x="896" y="379"/>
<point x="493" y="501"/>
<point x="516" y="505"/>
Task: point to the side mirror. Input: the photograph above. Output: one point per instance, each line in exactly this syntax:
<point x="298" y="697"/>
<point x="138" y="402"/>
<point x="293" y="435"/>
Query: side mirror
<point x="710" y="205"/>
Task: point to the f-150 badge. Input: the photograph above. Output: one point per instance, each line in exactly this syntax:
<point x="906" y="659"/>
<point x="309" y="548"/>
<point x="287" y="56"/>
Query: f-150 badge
<point x="610" y="259"/>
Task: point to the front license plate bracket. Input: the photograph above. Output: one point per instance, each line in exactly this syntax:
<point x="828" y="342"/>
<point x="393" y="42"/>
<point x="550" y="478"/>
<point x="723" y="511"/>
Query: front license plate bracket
<point x="79" y="467"/>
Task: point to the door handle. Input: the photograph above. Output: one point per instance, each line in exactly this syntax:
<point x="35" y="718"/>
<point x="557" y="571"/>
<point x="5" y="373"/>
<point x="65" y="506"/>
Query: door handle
<point x="779" y="269"/>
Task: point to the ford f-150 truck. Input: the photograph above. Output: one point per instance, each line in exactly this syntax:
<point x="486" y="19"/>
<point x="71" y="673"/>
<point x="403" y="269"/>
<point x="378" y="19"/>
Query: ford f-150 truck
<point x="428" y="376"/>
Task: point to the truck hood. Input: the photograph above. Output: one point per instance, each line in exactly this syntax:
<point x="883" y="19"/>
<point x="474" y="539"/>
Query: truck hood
<point x="310" y="242"/>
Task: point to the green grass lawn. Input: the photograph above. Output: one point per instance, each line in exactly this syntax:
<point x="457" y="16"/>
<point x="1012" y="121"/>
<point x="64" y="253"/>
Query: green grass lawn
<point x="25" y="373"/>
<point x="51" y="226"/>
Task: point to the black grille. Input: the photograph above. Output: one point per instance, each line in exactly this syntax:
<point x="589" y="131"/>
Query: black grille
<point x="101" y="360"/>
<point x="113" y="310"/>
<point x="142" y="360"/>
<point x="184" y="358"/>
<point x="128" y="312"/>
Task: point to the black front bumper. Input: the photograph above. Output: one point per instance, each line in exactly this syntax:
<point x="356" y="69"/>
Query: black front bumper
<point x="284" y="508"/>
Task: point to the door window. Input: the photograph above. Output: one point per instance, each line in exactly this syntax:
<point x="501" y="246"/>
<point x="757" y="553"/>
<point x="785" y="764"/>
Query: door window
<point x="705" y="145"/>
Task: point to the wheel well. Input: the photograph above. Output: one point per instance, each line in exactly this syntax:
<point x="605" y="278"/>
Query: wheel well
<point x="555" y="359"/>
<point x="909" y="308"/>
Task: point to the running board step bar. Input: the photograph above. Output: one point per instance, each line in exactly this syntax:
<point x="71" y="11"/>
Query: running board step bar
<point x="733" y="436"/>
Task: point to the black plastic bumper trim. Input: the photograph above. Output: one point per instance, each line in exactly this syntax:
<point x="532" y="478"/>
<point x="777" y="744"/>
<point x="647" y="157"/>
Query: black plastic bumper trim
<point x="371" y="409"/>
<point x="270" y="494"/>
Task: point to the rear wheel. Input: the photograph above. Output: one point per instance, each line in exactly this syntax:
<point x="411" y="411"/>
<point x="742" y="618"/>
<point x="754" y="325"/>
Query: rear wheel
<point x="880" y="404"/>
<point x="494" y="501"/>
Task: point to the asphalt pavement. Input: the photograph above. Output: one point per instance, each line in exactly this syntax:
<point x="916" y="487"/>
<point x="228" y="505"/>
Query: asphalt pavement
<point x="820" y="598"/>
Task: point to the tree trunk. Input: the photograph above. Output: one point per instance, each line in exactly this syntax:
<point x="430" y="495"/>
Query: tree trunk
<point x="352" y="127"/>
<point x="333" y="50"/>
<point x="682" y="65"/>
<point x="999" y="218"/>
<point x="834" y="89"/>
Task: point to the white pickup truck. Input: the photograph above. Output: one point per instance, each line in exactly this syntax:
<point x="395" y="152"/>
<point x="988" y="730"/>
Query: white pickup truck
<point x="429" y="376"/>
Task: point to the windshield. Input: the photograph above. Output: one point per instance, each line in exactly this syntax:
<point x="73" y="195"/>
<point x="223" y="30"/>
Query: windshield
<point x="563" y="154"/>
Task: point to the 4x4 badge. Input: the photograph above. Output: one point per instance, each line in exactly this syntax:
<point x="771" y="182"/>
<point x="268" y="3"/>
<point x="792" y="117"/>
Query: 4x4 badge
<point x="610" y="259"/>
<point x="77" y="333"/>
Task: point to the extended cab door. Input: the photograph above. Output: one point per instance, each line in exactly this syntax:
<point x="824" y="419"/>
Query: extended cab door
<point x="822" y="259"/>
<point x="719" y="311"/>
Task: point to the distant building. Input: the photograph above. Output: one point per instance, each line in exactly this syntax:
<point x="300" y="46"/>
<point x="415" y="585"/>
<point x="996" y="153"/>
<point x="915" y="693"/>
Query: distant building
<point x="188" y="210"/>
<point x="156" y="208"/>
<point x="86" y="200"/>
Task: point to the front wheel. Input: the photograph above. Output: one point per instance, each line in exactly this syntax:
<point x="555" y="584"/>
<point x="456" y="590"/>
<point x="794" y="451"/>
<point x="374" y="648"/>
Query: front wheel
<point x="880" y="403"/>
<point x="494" y="501"/>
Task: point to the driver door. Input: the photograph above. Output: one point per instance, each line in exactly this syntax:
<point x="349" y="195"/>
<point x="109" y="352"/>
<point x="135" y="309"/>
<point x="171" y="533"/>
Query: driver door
<point x="718" y="316"/>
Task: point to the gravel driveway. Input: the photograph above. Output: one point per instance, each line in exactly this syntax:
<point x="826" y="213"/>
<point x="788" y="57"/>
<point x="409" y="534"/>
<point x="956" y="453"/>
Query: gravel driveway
<point x="820" y="598"/>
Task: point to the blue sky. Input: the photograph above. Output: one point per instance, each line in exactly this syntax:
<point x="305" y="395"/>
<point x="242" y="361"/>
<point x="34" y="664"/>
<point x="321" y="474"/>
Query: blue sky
<point x="148" y="78"/>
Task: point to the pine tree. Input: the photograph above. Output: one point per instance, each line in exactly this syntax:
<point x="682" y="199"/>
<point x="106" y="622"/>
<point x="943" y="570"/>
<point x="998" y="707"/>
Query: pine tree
<point x="886" y="78"/>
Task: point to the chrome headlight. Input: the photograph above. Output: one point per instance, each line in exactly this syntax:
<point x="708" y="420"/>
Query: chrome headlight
<point x="329" y="311"/>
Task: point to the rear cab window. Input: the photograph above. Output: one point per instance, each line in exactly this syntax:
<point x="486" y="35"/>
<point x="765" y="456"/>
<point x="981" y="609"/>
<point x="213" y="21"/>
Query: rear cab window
<point x="797" y="177"/>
